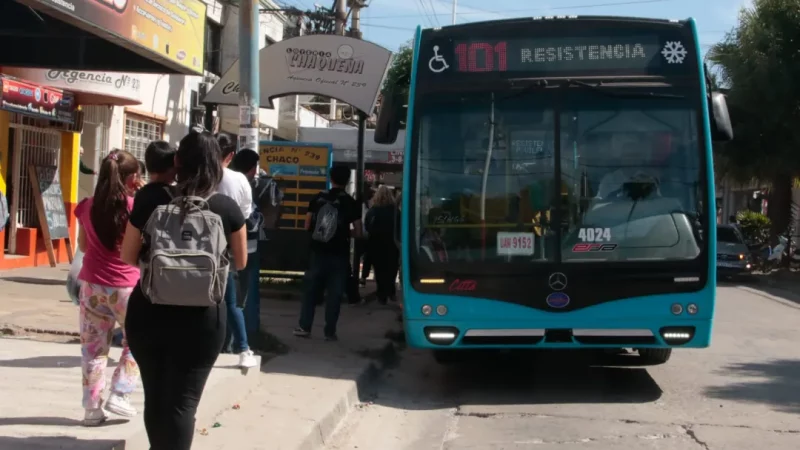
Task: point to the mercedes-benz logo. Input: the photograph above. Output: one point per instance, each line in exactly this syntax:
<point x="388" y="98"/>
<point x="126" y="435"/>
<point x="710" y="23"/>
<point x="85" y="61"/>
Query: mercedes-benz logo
<point x="557" y="281"/>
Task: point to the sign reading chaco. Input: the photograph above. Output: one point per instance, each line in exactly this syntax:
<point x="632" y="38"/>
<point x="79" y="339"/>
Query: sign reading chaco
<point x="300" y="168"/>
<point x="348" y="69"/>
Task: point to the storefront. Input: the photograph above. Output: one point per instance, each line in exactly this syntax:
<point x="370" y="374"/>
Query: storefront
<point x="48" y="113"/>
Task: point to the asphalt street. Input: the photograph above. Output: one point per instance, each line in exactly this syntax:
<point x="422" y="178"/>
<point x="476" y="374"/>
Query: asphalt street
<point x="742" y="393"/>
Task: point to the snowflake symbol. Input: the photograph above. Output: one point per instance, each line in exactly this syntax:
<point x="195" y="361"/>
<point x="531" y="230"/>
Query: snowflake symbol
<point x="674" y="52"/>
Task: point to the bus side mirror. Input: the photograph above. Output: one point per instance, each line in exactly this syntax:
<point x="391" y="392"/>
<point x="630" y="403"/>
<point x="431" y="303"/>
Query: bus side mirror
<point x="721" y="128"/>
<point x="388" y="124"/>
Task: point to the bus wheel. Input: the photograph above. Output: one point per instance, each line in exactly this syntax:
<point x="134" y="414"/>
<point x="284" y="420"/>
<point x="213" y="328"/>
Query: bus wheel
<point x="445" y="357"/>
<point x="655" y="355"/>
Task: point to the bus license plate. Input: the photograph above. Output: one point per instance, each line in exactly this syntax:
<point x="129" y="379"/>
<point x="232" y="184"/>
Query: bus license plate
<point x="733" y="265"/>
<point x="515" y="243"/>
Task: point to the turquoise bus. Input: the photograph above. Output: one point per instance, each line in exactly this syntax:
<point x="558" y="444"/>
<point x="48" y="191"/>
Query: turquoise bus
<point x="558" y="186"/>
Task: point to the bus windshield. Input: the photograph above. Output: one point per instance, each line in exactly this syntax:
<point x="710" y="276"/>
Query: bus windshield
<point x="625" y="183"/>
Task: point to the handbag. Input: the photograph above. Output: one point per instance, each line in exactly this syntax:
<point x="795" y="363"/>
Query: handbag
<point x="73" y="284"/>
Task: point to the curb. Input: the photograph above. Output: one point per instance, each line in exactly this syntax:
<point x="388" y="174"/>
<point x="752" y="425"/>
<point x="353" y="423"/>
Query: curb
<point x="217" y="398"/>
<point x="326" y="426"/>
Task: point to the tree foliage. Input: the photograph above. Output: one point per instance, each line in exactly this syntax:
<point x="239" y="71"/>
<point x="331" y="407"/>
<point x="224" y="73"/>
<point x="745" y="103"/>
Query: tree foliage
<point x="398" y="78"/>
<point x="755" y="226"/>
<point x="759" y="61"/>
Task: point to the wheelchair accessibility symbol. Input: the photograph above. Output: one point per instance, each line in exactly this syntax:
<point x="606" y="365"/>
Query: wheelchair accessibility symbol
<point x="437" y="64"/>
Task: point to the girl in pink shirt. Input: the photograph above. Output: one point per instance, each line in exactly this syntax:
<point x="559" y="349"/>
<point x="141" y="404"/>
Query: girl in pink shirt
<point x="106" y="285"/>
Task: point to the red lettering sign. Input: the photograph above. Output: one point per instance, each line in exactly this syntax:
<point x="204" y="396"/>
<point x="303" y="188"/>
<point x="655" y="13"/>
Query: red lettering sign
<point x="463" y="285"/>
<point x="586" y="247"/>
<point x="34" y="100"/>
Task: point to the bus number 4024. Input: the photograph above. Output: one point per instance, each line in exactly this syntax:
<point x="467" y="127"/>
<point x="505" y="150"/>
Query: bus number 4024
<point x="583" y="248"/>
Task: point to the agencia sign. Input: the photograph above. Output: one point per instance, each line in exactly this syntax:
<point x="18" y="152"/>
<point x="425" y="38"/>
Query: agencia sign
<point x="345" y="68"/>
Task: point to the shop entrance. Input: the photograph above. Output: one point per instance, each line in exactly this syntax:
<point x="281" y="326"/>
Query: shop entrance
<point x="29" y="144"/>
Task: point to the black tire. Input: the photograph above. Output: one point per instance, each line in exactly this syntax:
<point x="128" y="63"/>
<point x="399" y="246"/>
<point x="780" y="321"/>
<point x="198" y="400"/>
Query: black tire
<point x="447" y="357"/>
<point x="655" y="356"/>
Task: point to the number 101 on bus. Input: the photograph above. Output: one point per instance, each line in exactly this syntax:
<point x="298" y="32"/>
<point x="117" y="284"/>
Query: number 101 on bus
<point x="482" y="57"/>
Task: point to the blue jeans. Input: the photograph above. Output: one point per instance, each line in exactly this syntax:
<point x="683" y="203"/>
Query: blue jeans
<point x="236" y="334"/>
<point x="326" y="272"/>
<point x="251" y="285"/>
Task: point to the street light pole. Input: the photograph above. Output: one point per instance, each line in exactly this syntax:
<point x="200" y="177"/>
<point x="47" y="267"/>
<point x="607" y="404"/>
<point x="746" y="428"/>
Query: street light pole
<point x="455" y="8"/>
<point x="249" y="92"/>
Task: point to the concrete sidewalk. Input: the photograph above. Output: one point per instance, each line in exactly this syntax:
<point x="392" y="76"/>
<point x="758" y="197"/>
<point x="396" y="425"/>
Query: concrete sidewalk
<point x="40" y="384"/>
<point x="295" y="401"/>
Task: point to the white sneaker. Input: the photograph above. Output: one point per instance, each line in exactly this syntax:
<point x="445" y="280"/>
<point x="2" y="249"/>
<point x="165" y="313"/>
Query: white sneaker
<point x="120" y="404"/>
<point x="94" y="417"/>
<point x="247" y="359"/>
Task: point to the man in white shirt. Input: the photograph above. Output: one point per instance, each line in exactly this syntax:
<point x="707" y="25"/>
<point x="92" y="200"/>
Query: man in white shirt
<point x="235" y="186"/>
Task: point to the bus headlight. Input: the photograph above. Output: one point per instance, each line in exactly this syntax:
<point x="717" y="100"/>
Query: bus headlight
<point x="441" y="310"/>
<point x="676" y="308"/>
<point x="691" y="308"/>
<point x="426" y="310"/>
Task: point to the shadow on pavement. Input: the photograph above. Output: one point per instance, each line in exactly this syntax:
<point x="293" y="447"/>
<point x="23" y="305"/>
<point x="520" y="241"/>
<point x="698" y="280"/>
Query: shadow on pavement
<point x="541" y="377"/>
<point x="52" y="421"/>
<point x="39" y="281"/>
<point x="58" y="442"/>
<point x="522" y="378"/>
<point x="775" y="383"/>
<point x="48" y="362"/>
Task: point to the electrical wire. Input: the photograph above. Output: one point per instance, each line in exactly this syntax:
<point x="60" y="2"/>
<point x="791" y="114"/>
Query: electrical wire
<point x="506" y="12"/>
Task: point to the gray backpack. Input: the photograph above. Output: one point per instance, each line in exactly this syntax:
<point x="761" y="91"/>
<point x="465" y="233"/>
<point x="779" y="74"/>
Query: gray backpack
<point x="187" y="262"/>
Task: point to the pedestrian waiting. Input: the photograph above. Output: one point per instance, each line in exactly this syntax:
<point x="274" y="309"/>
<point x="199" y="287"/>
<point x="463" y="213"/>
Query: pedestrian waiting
<point x="106" y="283"/>
<point x="332" y="217"/>
<point x="175" y="324"/>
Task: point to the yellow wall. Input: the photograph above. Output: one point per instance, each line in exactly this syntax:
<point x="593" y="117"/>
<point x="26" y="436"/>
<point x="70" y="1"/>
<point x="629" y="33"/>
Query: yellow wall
<point x="4" y="162"/>
<point x="70" y="152"/>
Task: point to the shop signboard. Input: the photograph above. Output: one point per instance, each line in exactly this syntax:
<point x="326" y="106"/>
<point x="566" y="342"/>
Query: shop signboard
<point x="301" y="170"/>
<point x="169" y="31"/>
<point x="24" y="97"/>
<point x="89" y="87"/>
<point x="345" y="68"/>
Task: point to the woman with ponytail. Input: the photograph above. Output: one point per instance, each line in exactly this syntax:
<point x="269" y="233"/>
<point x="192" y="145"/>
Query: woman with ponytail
<point x="107" y="283"/>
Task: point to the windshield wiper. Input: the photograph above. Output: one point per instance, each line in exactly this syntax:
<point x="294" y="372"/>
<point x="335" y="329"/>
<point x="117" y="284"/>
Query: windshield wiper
<point x="617" y="93"/>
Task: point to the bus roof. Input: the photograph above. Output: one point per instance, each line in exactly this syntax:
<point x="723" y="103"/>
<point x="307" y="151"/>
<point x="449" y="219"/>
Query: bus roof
<point x="570" y="18"/>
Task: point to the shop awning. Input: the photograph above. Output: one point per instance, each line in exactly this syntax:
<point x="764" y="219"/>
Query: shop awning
<point x="125" y="36"/>
<point x="31" y="99"/>
<point x="89" y="88"/>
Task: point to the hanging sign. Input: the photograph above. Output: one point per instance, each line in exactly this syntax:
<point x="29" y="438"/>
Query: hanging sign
<point x="345" y="68"/>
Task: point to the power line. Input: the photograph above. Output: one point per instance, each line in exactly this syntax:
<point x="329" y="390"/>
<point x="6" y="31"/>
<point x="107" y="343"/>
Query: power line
<point x="505" y="13"/>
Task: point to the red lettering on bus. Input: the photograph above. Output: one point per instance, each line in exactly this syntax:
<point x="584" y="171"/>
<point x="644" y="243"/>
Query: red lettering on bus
<point x="463" y="285"/>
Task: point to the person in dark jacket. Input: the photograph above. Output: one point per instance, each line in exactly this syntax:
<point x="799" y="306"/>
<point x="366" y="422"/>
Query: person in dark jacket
<point x="84" y="169"/>
<point x="362" y="273"/>
<point x="381" y="224"/>
<point x="246" y="162"/>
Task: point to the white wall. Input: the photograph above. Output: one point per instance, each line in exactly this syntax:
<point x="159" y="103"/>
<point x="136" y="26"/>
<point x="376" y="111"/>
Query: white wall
<point x="308" y="118"/>
<point x="167" y="96"/>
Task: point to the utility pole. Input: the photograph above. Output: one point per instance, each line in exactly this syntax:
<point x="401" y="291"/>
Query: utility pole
<point x="341" y="16"/>
<point x="249" y="91"/>
<point x="455" y="8"/>
<point x="355" y="31"/>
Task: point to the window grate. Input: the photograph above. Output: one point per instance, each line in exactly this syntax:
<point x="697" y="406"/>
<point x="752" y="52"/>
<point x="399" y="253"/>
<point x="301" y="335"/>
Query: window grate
<point x="139" y="133"/>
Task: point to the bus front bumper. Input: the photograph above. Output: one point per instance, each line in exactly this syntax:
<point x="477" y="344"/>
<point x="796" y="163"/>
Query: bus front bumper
<point x="440" y="334"/>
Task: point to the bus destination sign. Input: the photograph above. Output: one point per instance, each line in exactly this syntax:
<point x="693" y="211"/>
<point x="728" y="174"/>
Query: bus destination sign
<point x="541" y="57"/>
